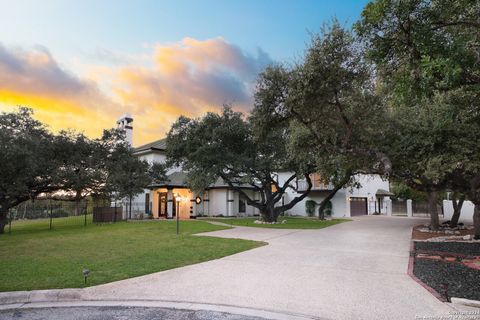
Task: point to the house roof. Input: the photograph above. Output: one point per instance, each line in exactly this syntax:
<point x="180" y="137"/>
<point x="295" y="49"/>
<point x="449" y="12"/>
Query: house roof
<point x="383" y="193"/>
<point x="160" y="145"/>
<point x="178" y="179"/>
<point x="175" y="179"/>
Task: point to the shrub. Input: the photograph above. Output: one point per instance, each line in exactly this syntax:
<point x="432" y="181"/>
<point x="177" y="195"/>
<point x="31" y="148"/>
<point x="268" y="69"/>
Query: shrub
<point x="327" y="211"/>
<point x="310" y="207"/>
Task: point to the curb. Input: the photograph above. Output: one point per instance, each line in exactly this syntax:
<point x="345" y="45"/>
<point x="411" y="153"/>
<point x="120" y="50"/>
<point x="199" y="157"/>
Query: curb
<point x="466" y="302"/>
<point x="40" y="296"/>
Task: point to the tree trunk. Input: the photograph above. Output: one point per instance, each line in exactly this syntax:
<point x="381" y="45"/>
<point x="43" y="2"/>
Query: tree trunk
<point x="3" y="218"/>
<point x="269" y="214"/>
<point x="432" y="209"/>
<point x="323" y="204"/>
<point x="321" y="209"/>
<point x="130" y="208"/>
<point x="476" y="220"/>
<point x="78" y="199"/>
<point x="457" y="203"/>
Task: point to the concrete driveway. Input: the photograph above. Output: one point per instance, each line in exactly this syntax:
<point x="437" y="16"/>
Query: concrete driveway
<point x="354" y="270"/>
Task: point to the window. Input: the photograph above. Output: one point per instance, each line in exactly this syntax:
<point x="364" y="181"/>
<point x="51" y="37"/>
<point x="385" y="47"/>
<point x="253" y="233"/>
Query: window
<point x="242" y="203"/>
<point x="147" y="203"/>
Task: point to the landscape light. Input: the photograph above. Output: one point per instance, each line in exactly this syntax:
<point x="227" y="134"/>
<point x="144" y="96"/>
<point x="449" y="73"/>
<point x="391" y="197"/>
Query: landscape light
<point x="85" y="272"/>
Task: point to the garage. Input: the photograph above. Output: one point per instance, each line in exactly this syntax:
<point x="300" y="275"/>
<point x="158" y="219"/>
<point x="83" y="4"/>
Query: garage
<point x="358" y="206"/>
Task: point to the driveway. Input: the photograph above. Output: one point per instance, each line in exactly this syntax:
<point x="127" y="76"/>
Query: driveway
<point x="354" y="270"/>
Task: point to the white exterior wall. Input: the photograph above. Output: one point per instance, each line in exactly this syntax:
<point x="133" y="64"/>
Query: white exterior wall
<point x="153" y="157"/>
<point x="249" y="210"/>
<point x="340" y="202"/>
<point x="466" y="215"/>
<point x="369" y="185"/>
<point x="218" y="202"/>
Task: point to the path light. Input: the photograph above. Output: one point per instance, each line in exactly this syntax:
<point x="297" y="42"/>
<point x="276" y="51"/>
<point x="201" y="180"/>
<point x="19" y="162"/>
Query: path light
<point x="85" y="272"/>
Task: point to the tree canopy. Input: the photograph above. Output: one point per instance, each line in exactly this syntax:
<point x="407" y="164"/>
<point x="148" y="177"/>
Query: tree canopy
<point x="36" y="161"/>
<point x="225" y="146"/>
<point x="426" y="60"/>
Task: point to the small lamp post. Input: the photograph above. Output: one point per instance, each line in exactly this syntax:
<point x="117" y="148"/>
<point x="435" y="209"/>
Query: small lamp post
<point x="178" y="199"/>
<point x="85" y="272"/>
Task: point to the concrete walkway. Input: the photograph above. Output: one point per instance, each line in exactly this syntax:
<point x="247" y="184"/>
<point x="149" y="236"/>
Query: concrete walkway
<point x="354" y="270"/>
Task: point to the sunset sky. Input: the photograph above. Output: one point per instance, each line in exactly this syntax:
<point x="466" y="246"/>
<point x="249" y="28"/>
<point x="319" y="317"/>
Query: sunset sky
<point x="82" y="64"/>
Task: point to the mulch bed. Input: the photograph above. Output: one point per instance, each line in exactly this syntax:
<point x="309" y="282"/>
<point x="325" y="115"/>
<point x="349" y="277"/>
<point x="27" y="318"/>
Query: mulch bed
<point x="458" y="248"/>
<point x="445" y="268"/>
<point x="461" y="281"/>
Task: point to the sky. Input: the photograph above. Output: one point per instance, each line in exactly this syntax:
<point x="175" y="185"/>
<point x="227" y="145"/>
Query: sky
<point x="82" y="64"/>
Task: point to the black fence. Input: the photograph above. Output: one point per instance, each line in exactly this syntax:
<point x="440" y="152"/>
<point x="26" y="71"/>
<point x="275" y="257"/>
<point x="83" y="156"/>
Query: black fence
<point x="399" y="207"/>
<point x="420" y="209"/>
<point x="137" y="210"/>
<point x="50" y="214"/>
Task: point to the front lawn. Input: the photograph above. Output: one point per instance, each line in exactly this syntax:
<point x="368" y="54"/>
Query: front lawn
<point x="47" y="259"/>
<point x="291" y="222"/>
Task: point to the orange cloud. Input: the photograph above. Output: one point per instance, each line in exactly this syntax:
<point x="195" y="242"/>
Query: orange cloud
<point x="188" y="77"/>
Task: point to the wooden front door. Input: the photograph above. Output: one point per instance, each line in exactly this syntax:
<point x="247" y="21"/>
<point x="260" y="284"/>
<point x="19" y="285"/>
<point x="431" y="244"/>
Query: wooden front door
<point x="162" y="204"/>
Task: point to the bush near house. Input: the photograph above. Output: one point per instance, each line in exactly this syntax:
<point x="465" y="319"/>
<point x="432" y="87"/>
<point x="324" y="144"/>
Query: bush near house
<point x="310" y="207"/>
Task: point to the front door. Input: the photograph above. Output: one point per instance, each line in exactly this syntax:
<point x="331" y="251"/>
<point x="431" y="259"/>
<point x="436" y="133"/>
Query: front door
<point x="162" y="204"/>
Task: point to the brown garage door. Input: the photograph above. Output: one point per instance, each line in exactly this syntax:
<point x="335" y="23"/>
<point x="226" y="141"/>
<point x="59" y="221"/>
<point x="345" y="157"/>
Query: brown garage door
<point x="358" y="206"/>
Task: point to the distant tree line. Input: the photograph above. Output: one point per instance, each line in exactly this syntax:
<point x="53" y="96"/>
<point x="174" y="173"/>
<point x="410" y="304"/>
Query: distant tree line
<point x="67" y="165"/>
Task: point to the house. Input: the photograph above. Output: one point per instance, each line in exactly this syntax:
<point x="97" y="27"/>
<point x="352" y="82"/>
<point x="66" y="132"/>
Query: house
<point x="173" y="197"/>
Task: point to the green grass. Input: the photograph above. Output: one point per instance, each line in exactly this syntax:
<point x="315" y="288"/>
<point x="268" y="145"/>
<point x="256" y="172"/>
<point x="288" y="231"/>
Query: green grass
<point x="292" y="222"/>
<point x="34" y="258"/>
<point x="36" y="225"/>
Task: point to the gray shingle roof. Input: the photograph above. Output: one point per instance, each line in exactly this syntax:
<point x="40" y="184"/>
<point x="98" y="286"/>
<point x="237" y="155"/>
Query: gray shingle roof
<point x="155" y="145"/>
<point x="179" y="179"/>
<point x="383" y="193"/>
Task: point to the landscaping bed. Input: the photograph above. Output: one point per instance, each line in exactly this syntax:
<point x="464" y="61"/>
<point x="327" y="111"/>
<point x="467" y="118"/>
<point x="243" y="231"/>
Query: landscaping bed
<point x="420" y="234"/>
<point x="449" y="279"/>
<point x="462" y="248"/>
<point x="451" y="269"/>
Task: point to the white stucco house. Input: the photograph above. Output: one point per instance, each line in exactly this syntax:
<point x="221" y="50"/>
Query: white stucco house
<point x="160" y="201"/>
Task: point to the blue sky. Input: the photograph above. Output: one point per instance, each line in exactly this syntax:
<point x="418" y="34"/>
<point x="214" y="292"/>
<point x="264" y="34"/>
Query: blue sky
<point x="99" y="44"/>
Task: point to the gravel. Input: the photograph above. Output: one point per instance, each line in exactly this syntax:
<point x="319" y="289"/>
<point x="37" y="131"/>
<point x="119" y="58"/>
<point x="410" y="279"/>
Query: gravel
<point x="463" y="282"/>
<point x="465" y="248"/>
<point x="117" y="313"/>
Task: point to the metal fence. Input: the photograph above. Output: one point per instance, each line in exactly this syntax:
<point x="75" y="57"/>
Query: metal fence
<point x="420" y="209"/>
<point x="399" y="207"/>
<point x="50" y="214"/>
<point x="136" y="210"/>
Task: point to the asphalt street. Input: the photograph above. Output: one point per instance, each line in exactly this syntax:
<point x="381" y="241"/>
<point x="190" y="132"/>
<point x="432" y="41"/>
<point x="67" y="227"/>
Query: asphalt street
<point x="117" y="313"/>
